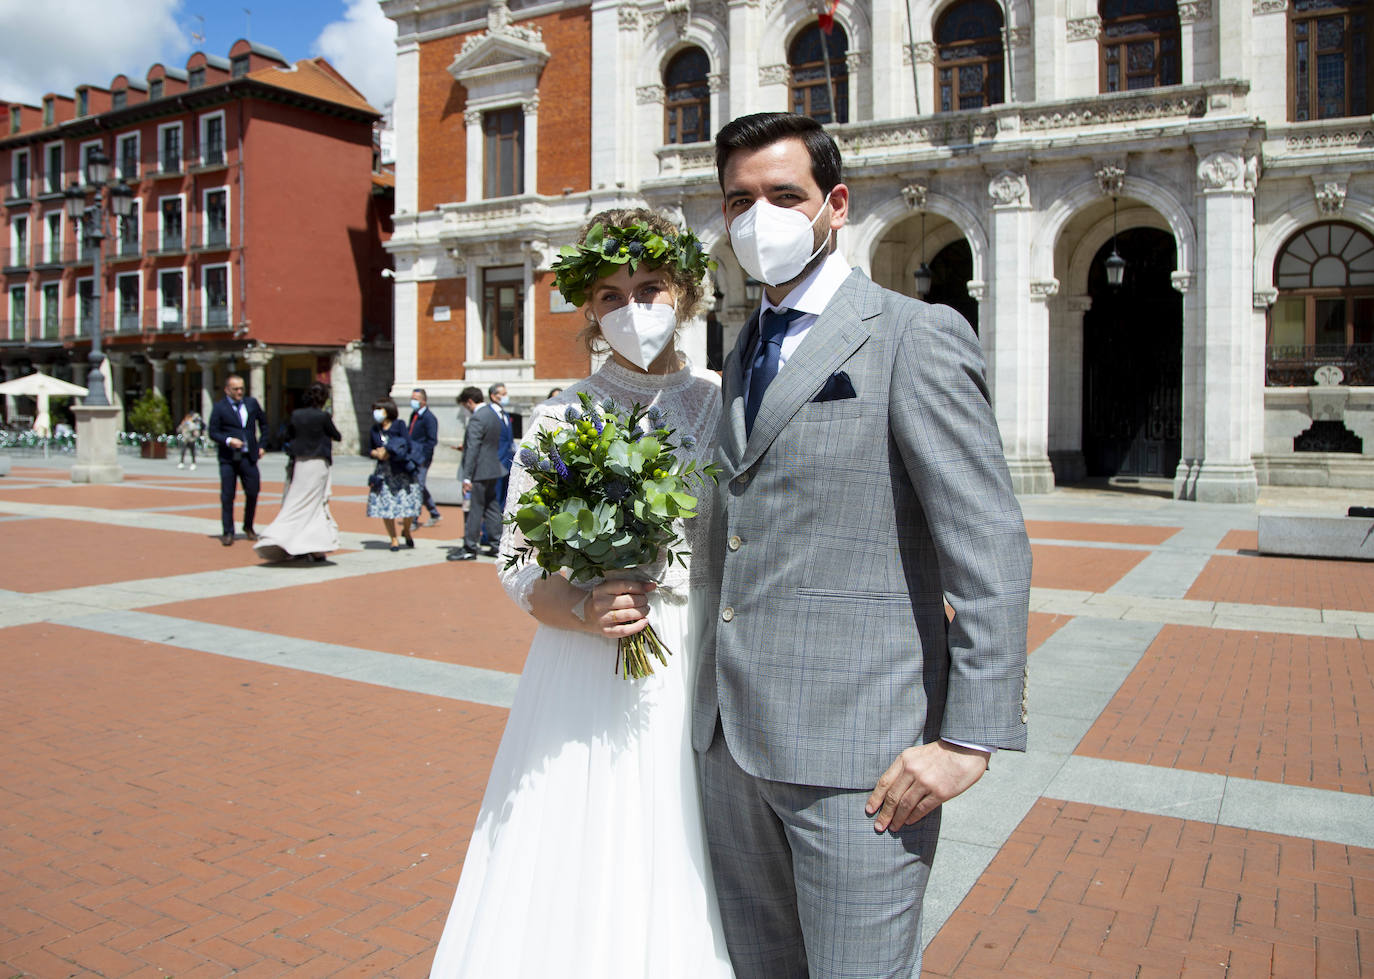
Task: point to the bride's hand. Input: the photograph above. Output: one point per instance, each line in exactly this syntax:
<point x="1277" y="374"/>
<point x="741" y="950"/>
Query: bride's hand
<point x="619" y="607"/>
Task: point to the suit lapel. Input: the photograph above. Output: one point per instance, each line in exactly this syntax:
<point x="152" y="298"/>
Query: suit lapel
<point x="732" y="437"/>
<point x="841" y="329"/>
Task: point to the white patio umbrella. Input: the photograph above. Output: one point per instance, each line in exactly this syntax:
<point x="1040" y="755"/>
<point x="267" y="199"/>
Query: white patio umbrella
<point x="42" y="386"/>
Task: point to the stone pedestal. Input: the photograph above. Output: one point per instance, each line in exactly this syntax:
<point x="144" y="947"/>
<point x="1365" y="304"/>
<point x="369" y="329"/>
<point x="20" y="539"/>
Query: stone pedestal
<point x="97" y="444"/>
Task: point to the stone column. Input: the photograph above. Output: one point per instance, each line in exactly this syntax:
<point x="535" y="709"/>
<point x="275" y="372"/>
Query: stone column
<point x="178" y="399"/>
<point x="346" y="361"/>
<point x="1066" y="390"/>
<point x="11" y="401"/>
<point x="530" y="109"/>
<point x="1219" y="360"/>
<point x="744" y="23"/>
<point x="208" y="389"/>
<point x="159" y="366"/>
<point x="472" y="119"/>
<point x="116" y="365"/>
<point x="258" y="358"/>
<point x="1016" y="337"/>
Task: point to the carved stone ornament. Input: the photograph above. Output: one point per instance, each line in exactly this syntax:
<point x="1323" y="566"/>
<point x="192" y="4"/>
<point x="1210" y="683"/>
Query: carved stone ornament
<point x="924" y="53"/>
<point x="1328" y="376"/>
<point x="1018" y="37"/>
<point x="1192" y="11"/>
<point x="1224" y="171"/>
<point x="1330" y="196"/>
<point x="715" y="82"/>
<point x="1008" y="188"/>
<point x="857" y="60"/>
<point x="531" y="105"/>
<point x="1111" y="178"/>
<point x="1182" y="281"/>
<point x="539" y="252"/>
<point x="1264" y="298"/>
<point x="1084" y="28"/>
<point x="915" y="196"/>
<point x="774" y="74"/>
<point x="977" y="289"/>
<point x="1269" y="6"/>
<point x="649" y="94"/>
<point x="628" y="17"/>
<point x="1044" y="288"/>
<point x="472" y="117"/>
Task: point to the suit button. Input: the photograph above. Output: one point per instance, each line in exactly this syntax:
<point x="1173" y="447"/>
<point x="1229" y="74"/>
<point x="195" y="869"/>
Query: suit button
<point x="742" y="480"/>
<point x="734" y="542"/>
<point x="727" y="614"/>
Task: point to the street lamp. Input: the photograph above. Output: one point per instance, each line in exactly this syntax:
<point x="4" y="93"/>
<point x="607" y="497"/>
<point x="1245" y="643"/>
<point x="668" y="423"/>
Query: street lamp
<point x="88" y="215"/>
<point x="1115" y="264"/>
<point x="923" y="275"/>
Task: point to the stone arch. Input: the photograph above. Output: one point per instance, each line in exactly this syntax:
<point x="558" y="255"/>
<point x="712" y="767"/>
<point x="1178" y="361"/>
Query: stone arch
<point x="881" y="218"/>
<point x="1356" y="211"/>
<point x="1015" y="14"/>
<point x="665" y="41"/>
<point x="1161" y="199"/>
<point x="1075" y="277"/>
<point x="783" y="22"/>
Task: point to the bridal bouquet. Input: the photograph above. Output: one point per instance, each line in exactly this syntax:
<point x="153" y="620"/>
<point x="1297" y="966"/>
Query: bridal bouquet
<point x="607" y="488"/>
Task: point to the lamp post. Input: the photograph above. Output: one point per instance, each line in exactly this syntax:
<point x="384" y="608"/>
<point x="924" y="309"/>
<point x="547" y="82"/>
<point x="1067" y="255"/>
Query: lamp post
<point x="923" y="275"/>
<point x="1115" y="265"/>
<point x="88" y="215"/>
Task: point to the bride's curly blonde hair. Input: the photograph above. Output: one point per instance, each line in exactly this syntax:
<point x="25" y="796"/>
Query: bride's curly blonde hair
<point x="688" y="288"/>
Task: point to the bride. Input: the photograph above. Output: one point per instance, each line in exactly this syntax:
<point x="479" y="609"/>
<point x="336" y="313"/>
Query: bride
<point x="588" y="858"/>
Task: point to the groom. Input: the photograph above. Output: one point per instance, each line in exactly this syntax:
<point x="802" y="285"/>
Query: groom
<point x="863" y="485"/>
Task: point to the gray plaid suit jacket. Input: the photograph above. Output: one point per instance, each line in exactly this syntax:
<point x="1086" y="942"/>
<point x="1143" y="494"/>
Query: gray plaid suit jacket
<point x="839" y="530"/>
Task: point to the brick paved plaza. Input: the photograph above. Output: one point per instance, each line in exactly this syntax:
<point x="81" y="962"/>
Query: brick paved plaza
<point x="215" y="767"/>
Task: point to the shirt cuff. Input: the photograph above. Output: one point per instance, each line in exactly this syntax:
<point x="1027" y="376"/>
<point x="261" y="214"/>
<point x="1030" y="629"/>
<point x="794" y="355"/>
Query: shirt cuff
<point x="970" y="744"/>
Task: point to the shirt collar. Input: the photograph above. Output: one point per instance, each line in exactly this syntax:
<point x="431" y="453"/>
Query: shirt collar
<point x="814" y="292"/>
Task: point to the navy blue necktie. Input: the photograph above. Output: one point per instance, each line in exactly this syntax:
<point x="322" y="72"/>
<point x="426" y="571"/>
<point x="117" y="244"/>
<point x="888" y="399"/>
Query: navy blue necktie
<point x="773" y="325"/>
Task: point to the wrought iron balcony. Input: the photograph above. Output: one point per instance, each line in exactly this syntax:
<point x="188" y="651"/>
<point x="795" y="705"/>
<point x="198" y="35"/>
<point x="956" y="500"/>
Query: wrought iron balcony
<point x="130" y="323"/>
<point x="1292" y="365"/>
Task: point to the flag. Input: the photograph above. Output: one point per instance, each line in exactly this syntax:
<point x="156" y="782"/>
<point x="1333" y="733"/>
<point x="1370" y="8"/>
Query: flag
<point x="827" y="18"/>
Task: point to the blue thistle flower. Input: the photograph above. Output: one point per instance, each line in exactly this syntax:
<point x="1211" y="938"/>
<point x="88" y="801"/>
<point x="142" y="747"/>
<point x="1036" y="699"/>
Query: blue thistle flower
<point x="608" y="406"/>
<point x="558" y="463"/>
<point x="529" y="458"/>
<point x="688" y="442"/>
<point x="636" y="435"/>
<point x="655" y="414"/>
<point x="572" y="414"/>
<point x="545" y="465"/>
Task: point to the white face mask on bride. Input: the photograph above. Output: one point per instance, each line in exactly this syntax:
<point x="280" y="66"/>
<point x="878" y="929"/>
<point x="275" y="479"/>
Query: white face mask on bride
<point x="639" y="331"/>
<point x="773" y="244"/>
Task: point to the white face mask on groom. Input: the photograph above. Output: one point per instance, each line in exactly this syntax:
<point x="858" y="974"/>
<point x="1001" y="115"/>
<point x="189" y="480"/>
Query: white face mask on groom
<point x="774" y="244"/>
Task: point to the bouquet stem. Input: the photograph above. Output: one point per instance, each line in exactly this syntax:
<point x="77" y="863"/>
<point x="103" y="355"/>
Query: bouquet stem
<point x="635" y="651"/>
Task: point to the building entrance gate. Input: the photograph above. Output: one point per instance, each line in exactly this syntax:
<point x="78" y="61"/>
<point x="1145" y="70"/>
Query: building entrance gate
<point x="1133" y="362"/>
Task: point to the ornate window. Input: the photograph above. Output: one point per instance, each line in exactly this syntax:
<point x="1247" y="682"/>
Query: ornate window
<point x="1325" y="309"/>
<point x="1140" y="44"/>
<point x="503" y="313"/>
<point x="503" y="132"/>
<point x="820" y="70"/>
<point x="687" y="98"/>
<point x="968" y="61"/>
<point x="1329" y="74"/>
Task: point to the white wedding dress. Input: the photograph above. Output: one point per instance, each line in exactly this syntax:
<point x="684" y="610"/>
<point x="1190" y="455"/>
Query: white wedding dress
<point x="589" y="854"/>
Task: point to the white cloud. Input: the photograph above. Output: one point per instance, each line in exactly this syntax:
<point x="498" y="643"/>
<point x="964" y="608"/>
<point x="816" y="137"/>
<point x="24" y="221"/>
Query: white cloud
<point x="362" y="47"/>
<point x="55" y="45"/>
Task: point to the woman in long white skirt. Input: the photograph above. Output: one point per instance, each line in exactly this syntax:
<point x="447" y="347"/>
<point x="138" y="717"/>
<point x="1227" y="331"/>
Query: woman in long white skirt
<point x="304" y="525"/>
<point x="589" y="854"/>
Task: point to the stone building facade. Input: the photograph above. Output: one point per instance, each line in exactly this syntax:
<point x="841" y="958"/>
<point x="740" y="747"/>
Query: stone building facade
<point x="1224" y="149"/>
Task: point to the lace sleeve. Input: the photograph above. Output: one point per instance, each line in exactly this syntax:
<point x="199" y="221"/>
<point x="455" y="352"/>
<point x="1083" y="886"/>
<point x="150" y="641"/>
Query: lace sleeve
<point x="520" y="579"/>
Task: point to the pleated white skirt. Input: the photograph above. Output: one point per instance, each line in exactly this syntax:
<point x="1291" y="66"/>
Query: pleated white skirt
<point x="589" y="855"/>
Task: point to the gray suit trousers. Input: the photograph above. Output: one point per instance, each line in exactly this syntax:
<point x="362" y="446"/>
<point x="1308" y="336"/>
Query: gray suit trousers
<point x="807" y="889"/>
<point x="484" y="513"/>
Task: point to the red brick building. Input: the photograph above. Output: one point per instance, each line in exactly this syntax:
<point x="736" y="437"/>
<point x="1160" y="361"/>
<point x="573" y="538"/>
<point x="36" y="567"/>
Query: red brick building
<point x="255" y="243"/>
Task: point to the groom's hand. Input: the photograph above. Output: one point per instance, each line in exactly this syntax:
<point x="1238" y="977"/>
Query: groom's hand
<point x="922" y="778"/>
<point x="619" y="607"/>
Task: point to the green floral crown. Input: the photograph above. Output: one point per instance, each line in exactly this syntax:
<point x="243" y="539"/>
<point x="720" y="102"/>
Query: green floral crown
<point x="608" y="247"/>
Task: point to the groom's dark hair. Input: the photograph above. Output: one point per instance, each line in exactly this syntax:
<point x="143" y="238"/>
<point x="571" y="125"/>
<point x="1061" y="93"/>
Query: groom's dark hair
<point x="762" y="129"/>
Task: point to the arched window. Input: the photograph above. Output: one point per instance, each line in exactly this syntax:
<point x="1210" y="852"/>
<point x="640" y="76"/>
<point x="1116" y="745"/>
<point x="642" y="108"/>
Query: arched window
<point x="1140" y="47"/>
<point x="1330" y="71"/>
<point x="1325" y="309"/>
<point x="818" y="63"/>
<point x="968" y="63"/>
<point x="687" y="98"/>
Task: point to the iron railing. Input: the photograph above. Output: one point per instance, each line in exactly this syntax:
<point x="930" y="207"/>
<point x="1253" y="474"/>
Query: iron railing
<point x="1292" y="365"/>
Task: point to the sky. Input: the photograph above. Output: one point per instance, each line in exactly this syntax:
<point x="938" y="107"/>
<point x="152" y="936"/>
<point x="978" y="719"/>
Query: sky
<point x="55" y="45"/>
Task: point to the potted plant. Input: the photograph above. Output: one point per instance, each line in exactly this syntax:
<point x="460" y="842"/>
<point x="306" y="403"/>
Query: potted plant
<point x="151" y="420"/>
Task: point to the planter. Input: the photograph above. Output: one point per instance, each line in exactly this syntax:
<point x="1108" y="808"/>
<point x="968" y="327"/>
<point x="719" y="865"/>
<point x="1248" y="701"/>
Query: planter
<point x="153" y="450"/>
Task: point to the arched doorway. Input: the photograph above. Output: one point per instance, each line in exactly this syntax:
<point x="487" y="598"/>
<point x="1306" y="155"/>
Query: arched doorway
<point x="950" y="272"/>
<point x="1133" y="361"/>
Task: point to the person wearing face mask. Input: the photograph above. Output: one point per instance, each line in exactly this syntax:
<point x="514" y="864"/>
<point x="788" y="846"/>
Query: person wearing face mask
<point x="424" y="436"/>
<point x="588" y="859"/>
<point x="484" y="469"/>
<point x="393" y="492"/>
<point x="238" y="427"/>
<point x="863" y="482"/>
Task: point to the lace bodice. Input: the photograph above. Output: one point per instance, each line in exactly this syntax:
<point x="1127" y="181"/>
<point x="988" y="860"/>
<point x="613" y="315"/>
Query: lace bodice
<point x="691" y="401"/>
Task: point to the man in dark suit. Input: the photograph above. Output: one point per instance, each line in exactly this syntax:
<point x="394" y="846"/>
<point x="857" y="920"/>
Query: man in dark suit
<point x="238" y="427"/>
<point x="496" y="395"/>
<point x="862" y="485"/>
<point x="482" y="473"/>
<point x="424" y="436"/>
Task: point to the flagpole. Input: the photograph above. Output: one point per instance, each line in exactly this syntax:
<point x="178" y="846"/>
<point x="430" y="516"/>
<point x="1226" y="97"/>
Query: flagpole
<point x="825" y="56"/>
<point x="911" y="46"/>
